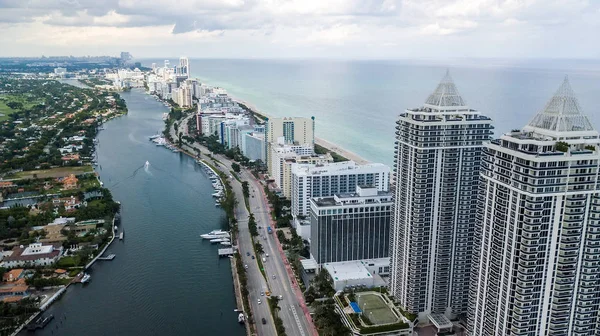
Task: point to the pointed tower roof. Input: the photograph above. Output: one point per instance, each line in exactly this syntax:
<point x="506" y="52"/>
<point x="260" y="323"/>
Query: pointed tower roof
<point x="445" y="95"/>
<point x="561" y="114"/>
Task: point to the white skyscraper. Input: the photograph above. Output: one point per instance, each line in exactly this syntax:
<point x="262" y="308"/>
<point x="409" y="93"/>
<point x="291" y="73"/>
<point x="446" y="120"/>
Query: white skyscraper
<point x="437" y="159"/>
<point x="184" y="67"/>
<point x="537" y="239"/>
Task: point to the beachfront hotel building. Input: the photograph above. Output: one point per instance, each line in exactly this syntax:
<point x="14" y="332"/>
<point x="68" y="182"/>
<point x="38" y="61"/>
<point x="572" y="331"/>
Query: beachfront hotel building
<point x="328" y="179"/>
<point x="289" y="162"/>
<point x="254" y="146"/>
<point x="437" y="159"/>
<point x="537" y="239"/>
<point x="280" y="153"/>
<point x="294" y="131"/>
<point x="350" y="226"/>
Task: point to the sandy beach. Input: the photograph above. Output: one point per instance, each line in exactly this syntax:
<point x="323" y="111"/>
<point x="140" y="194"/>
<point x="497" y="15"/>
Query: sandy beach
<point x="345" y="153"/>
<point x="319" y="141"/>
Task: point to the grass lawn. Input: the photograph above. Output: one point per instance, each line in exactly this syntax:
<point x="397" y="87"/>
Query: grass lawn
<point x="54" y="172"/>
<point x="89" y="183"/>
<point x="375" y="308"/>
<point x="5" y="111"/>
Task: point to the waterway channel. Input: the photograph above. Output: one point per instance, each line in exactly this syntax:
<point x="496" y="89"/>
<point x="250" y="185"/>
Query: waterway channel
<point x="165" y="280"/>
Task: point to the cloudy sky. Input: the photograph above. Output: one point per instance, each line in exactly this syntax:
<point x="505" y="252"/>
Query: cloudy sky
<point x="303" y="28"/>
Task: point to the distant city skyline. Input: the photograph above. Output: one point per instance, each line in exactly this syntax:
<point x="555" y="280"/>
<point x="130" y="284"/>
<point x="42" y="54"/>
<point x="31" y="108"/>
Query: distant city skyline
<point x="354" y="29"/>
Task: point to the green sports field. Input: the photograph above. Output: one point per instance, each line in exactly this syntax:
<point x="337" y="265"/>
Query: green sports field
<point x="375" y="308"/>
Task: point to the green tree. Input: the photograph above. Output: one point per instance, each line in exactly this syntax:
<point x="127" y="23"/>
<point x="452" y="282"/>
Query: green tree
<point x="258" y="248"/>
<point x="245" y="189"/>
<point x="327" y="320"/>
<point x="235" y="167"/>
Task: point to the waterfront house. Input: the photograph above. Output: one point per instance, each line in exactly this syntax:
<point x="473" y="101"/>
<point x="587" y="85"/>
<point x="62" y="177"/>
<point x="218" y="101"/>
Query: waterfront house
<point x="13" y="292"/>
<point x="13" y="275"/>
<point x="70" y="203"/>
<point x="53" y="233"/>
<point x="6" y="184"/>
<point x="36" y="254"/>
<point x="70" y="157"/>
<point x="70" y="182"/>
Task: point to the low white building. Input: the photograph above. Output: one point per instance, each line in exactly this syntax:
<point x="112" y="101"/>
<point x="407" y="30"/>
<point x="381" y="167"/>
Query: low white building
<point x="358" y="273"/>
<point x="36" y="254"/>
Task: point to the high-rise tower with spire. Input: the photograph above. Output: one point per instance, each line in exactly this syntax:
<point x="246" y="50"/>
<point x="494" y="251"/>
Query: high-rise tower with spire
<point x="536" y="257"/>
<point x="437" y="159"/>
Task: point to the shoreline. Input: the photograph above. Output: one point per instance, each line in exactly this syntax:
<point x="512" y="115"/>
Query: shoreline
<point x="318" y="140"/>
<point x="48" y="303"/>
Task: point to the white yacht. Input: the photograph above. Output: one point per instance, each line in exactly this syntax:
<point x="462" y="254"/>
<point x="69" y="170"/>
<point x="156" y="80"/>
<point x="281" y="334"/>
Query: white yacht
<point x="219" y="240"/>
<point x="215" y="234"/>
<point x="86" y="277"/>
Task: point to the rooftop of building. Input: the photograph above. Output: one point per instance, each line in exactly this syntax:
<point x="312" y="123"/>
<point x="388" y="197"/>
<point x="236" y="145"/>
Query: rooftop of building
<point x="332" y="167"/>
<point x="444" y="99"/>
<point x="335" y="200"/>
<point x="21" y="253"/>
<point x="12" y="275"/>
<point x="561" y="117"/>
<point x="348" y="270"/>
<point x="8" y="289"/>
<point x="364" y="195"/>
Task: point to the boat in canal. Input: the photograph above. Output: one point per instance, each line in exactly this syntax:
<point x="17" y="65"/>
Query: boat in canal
<point x="215" y="234"/>
<point x="241" y="318"/>
<point x="40" y="322"/>
<point x="86" y="278"/>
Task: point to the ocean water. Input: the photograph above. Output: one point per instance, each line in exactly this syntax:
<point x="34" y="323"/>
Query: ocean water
<point x="356" y="103"/>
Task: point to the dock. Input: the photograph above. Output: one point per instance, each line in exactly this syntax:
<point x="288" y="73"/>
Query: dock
<point x="224" y="252"/>
<point x="108" y="257"/>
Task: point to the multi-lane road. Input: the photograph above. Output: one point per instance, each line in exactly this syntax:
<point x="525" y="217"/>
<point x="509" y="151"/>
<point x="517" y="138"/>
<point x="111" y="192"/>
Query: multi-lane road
<point x="277" y="280"/>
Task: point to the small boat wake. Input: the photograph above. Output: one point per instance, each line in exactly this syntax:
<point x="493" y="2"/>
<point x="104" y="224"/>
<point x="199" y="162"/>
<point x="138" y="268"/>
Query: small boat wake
<point x="147" y="168"/>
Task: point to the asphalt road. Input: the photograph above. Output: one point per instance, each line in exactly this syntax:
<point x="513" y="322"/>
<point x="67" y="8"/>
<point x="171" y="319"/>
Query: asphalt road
<point x="294" y="320"/>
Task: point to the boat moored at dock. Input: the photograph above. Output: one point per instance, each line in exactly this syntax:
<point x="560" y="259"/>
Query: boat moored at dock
<point x="40" y="322"/>
<point x="86" y="278"/>
<point x="215" y="234"/>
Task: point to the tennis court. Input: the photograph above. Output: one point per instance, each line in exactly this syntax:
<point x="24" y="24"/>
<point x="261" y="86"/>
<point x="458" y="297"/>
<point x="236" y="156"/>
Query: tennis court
<point x="373" y="307"/>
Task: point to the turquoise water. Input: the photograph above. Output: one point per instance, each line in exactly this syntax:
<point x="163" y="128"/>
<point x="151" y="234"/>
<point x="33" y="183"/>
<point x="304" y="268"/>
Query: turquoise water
<point x="356" y="102"/>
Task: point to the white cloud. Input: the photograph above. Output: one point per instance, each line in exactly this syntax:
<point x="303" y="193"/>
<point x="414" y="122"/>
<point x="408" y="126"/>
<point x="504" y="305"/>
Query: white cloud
<point x="303" y="28"/>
